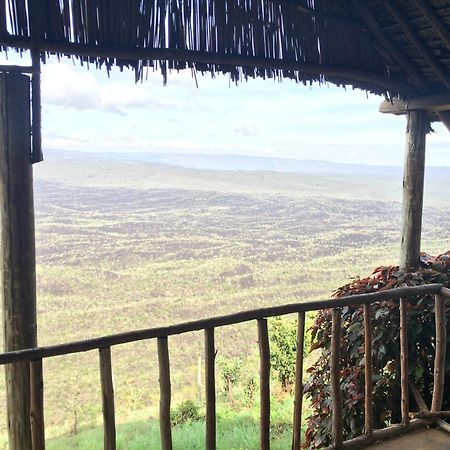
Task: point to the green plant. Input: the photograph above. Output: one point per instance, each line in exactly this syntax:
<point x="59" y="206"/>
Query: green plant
<point x="283" y="345"/>
<point x="385" y="354"/>
<point x="230" y="369"/>
<point x="187" y="411"/>
<point x="250" y="391"/>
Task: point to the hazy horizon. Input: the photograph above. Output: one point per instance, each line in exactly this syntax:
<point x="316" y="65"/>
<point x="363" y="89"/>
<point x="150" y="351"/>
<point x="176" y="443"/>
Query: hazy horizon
<point x="134" y="154"/>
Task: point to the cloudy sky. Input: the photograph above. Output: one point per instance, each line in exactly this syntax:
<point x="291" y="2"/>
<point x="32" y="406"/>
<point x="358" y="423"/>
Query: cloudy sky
<point x="85" y="110"/>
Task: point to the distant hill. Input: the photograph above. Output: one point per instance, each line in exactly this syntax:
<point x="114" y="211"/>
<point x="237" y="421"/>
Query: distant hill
<point x="233" y="173"/>
<point x="232" y="162"/>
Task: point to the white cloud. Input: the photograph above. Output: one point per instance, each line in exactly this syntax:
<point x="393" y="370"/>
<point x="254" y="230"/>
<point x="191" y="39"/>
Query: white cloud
<point x="245" y="130"/>
<point x="70" y="87"/>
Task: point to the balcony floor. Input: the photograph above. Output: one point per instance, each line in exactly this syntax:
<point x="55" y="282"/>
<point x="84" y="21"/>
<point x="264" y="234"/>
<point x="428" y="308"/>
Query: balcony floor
<point x="427" y="439"/>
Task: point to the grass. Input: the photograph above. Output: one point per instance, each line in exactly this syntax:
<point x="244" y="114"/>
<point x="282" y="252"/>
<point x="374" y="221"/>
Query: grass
<point x="236" y="430"/>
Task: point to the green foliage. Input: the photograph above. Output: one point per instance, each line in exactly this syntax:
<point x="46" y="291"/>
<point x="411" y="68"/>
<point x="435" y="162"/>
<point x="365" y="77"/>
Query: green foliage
<point x="250" y="391"/>
<point x="187" y="411"/>
<point x="230" y="370"/>
<point x="385" y="354"/>
<point x="283" y="346"/>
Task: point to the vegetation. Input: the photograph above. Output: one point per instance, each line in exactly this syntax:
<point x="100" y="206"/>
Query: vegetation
<point x="122" y="246"/>
<point x="283" y="340"/>
<point x="385" y="354"/>
<point x="230" y="369"/>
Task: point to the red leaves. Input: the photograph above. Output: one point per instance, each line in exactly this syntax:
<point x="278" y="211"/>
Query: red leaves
<point x="385" y="338"/>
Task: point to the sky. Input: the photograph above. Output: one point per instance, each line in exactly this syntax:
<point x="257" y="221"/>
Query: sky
<point x="89" y="111"/>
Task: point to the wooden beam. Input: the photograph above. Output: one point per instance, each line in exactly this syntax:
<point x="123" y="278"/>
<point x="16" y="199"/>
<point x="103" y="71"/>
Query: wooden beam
<point x="418" y="397"/>
<point x="440" y="350"/>
<point x="298" y="395"/>
<point x="37" y="405"/>
<point x="337" y="427"/>
<point x="213" y="322"/>
<point x="210" y="389"/>
<point x="15" y="68"/>
<point x="109" y="416"/>
<point x="439" y="26"/>
<point x="430" y="103"/>
<point x="410" y="70"/>
<point x="319" y="14"/>
<point x="432" y="414"/>
<point x="444" y="117"/>
<point x="413" y="181"/>
<point x="444" y="426"/>
<point x="368" y="371"/>
<point x="165" y="394"/>
<point x="382" y="435"/>
<point x="417" y="42"/>
<point x="35" y="8"/>
<point x="374" y="27"/>
<point x="214" y="58"/>
<point x="264" y="384"/>
<point x="17" y="249"/>
<point x="404" y="384"/>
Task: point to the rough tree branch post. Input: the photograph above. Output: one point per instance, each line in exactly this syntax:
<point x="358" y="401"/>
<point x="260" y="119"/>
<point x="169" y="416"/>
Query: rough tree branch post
<point x="18" y="270"/>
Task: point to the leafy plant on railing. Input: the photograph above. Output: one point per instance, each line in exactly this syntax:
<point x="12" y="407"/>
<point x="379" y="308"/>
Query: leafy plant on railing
<point x="385" y="355"/>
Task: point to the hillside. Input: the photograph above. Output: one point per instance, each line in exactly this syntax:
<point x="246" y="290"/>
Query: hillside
<point x="130" y="244"/>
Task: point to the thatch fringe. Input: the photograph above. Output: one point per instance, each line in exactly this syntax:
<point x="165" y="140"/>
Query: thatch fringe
<point x="313" y="32"/>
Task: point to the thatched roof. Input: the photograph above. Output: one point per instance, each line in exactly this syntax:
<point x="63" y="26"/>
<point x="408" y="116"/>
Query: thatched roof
<point x="381" y="46"/>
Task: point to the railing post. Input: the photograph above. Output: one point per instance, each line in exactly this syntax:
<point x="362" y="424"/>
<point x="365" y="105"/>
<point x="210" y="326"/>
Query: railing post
<point x="439" y="359"/>
<point x="165" y="394"/>
<point x="109" y="421"/>
<point x="368" y="404"/>
<point x="210" y="389"/>
<point x="404" y="361"/>
<point x="37" y="405"/>
<point x="335" y="372"/>
<point x="264" y="377"/>
<point x="298" y="400"/>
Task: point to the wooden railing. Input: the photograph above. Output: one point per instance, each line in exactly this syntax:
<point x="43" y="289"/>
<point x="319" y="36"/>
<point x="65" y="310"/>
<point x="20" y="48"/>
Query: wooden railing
<point x="103" y="345"/>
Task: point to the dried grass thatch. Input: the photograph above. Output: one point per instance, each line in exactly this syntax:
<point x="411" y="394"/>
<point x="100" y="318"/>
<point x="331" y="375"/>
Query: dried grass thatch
<point x="352" y="42"/>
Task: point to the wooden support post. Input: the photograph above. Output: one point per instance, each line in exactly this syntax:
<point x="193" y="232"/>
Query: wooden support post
<point x="165" y="394"/>
<point x="298" y="400"/>
<point x="18" y="269"/>
<point x="368" y="404"/>
<point x="413" y="181"/>
<point x="264" y="377"/>
<point x="36" y="402"/>
<point x="210" y="389"/>
<point x="109" y="420"/>
<point x="335" y="381"/>
<point x="439" y="357"/>
<point x="404" y="385"/>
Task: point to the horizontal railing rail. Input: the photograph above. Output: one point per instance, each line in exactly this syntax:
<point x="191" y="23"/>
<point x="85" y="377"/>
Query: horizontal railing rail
<point x="103" y="345"/>
<point x="215" y="322"/>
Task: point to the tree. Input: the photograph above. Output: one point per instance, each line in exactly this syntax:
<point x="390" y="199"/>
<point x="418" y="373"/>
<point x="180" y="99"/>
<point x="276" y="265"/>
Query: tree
<point x="230" y="369"/>
<point x="283" y="346"/>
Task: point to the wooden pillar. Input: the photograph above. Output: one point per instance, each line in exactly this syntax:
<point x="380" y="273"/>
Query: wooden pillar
<point x="413" y="181"/>
<point x="17" y="253"/>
